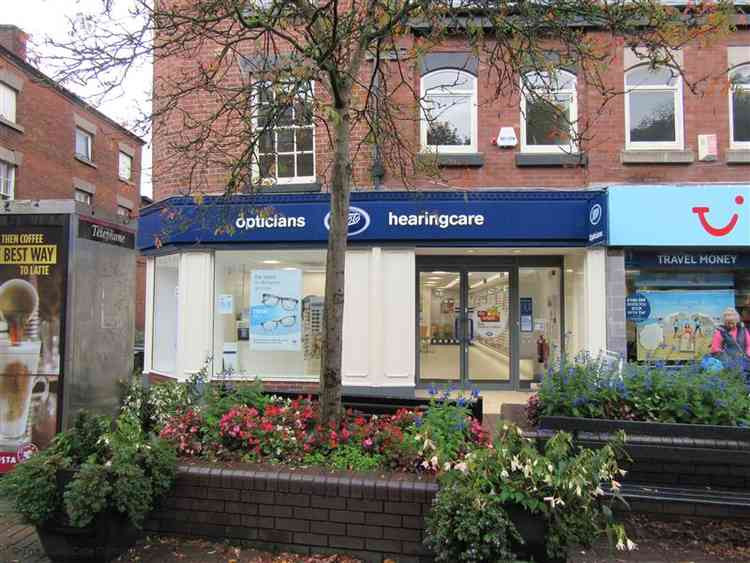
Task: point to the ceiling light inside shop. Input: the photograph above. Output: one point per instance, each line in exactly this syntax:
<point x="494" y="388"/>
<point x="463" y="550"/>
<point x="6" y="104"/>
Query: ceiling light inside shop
<point x="271" y="262"/>
<point x="439" y="272"/>
<point x="569" y="270"/>
<point x="486" y="280"/>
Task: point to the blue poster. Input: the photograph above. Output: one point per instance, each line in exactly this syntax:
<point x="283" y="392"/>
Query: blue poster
<point x="276" y="310"/>
<point x="678" y="324"/>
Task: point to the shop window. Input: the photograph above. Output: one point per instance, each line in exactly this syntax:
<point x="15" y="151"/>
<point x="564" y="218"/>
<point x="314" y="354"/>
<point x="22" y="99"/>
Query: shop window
<point x="449" y="112"/>
<point x="739" y="107"/>
<point x="268" y="318"/>
<point x="8" y="102"/>
<point x="653" y="108"/>
<point x="7" y="180"/>
<point x="672" y="315"/>
<point x="83" y="197"/>
<point x="125" y="167"/>
<point x="166" y="292"/>
<point x="286" y="147"/>
<point x="84" y="144"/>
<point x="549" y="110"/>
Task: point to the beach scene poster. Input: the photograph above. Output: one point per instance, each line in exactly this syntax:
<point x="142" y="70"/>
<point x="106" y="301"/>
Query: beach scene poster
<point x="680" y="323"/>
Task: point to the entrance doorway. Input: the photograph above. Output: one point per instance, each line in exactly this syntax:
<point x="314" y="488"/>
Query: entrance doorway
<point x="489" y="322"/>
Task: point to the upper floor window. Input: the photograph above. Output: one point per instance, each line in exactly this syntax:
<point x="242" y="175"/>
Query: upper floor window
<point x="83" y="197"/>
<point x="286" y="148"/>
<point x="123" y="211"/>
<point x="7" y="102"/>
<point x="653" y="108"/>
<point x="739" y="107"/>
<point x="84" y="144"/>
<point x="7" y="180"/>
<point x="125" y="166"/>
<point x="549" y="110"/>
<point x="449" y="111"/>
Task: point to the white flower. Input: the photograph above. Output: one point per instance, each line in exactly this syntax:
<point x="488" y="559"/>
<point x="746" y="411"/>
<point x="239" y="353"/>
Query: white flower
<point x="620" y="545"/>
<point x="598" y="492"/>
<point x="504" y="474"/>
<point x="462" y="467"/>
<point x="434" y="461"/>
<point x="447" y="466"/>
<point x="553" y="502"/>
<point x="615" y="485"/>
<point x="631" y="545"/>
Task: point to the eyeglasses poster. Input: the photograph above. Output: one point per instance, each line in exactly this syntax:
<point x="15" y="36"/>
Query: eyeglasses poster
<point x="276" y="310"/>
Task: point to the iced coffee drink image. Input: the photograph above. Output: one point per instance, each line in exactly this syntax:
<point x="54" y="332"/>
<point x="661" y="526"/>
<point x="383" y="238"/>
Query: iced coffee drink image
<point x="19" y="361"/>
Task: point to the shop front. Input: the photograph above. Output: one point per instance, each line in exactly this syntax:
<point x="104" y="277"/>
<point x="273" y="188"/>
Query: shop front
<point x="485" y="287"/>
<point x="687" y="259"/>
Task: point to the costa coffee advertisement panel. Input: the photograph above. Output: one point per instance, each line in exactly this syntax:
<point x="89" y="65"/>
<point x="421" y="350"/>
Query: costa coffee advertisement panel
<point x="33" y="263"/>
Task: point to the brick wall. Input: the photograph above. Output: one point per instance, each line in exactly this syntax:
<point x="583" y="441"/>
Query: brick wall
<point x="705" y="111"/>
<point x="369" y="516"/>
<point x="13" y="39"/>
<point x="46" y="145"/>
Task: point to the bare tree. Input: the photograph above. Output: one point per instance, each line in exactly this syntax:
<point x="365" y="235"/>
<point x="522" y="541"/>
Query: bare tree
<point x="240" y="70"/>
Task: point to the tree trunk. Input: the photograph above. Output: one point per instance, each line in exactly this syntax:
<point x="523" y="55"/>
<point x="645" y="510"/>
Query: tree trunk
<point x="333" y="316"/>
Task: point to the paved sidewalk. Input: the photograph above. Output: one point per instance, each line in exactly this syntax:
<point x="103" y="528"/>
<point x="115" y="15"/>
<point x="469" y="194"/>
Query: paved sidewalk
<point x="18" y="542"/>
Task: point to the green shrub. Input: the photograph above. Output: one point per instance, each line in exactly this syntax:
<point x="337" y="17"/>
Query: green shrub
<point x="469" y="519"/>
<point x="114" y="466"/>
<point x="353" y="458"/>
<point x="591" y="389"/>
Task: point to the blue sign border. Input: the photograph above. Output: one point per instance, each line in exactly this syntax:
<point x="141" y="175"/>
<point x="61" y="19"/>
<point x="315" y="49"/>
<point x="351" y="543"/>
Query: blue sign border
<point x="501" y="218"/>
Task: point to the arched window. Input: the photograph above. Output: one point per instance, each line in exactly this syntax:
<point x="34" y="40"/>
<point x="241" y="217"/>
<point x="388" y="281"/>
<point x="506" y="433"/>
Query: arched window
<point x="449" y="111"/>
<point x="653" y="108"/>
<point x="549" y="110"/>
<point x="739" y="107"/>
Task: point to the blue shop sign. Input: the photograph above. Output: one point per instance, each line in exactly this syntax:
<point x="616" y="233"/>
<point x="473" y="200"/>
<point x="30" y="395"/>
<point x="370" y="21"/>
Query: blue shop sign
<point x="710" y="215"/>
<point x="532" y="217"/>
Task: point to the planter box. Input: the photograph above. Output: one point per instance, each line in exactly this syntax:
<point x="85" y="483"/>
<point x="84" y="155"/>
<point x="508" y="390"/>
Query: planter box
<point x="668" y="454"/>
<point x="371" y="516"/>
<point x="108" y="536"/>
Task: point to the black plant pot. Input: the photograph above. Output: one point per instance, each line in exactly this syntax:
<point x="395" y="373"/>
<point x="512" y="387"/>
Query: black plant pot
<point x="533" y="529"/>
<point x="108" y="536"/>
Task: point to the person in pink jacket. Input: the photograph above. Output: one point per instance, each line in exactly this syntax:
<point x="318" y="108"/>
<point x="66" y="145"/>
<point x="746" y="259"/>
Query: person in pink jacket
<point x="731" y="341"/>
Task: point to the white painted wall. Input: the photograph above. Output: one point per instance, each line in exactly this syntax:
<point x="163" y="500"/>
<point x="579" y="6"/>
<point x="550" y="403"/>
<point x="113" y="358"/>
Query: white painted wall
<point x="399" y="318"/>
<point x="195" y="328"/>
<point x="595" y="301"/>
<point x="148" y="329"/>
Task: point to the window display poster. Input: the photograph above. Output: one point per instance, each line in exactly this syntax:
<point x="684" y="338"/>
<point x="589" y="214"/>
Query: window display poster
<point x="680" y="323"/>
<point x="276" y="310"/>
<point x="489" y="322"/>
<point x="32" y="304"/>
<point x="527" y="314"/>
<point x="226" y="304"/>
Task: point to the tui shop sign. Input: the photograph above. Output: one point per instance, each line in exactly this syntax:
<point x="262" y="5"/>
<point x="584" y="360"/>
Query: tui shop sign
<point x="531" y="218"/>
<point x="687" y="260"/>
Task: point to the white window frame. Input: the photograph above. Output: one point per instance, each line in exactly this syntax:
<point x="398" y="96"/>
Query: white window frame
<point x="130" y="159"/>
<point x="741" y="145"/>
<point x="90" y="145"/>
<point x="569" y="148"/>
<point x="8" y="102"/>
<point x="7" y="177"/>
<point x="256" y="159"/>
<point x="679" y="142"/>
<point x="123" y="211"/>
<point x="85" y="197"/>
<point x="459" y="93"/>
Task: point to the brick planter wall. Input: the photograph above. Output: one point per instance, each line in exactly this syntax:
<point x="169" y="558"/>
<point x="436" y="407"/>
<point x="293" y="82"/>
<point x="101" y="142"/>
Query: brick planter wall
<point x="368" y="515"/>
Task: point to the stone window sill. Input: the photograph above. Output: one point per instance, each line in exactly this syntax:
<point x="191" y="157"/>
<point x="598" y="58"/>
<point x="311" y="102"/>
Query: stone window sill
<point x="309" y="187"/>
<point x="84" y="160"/>
<point x="551" y="159"/>
<point x="657" y="157"/>
<point x="447" y="160"/>
<point x="12" y="125"/>
<point x="126" y="181"/>
<point x="737" y="156"/>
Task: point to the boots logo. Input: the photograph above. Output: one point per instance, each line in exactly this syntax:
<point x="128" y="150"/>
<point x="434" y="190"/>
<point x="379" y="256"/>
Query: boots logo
<point x="357" y="223"/>
<point x="701" y="211"/>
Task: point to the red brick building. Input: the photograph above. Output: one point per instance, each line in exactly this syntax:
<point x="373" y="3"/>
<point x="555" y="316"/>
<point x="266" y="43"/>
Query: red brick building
<point x="53" y="145"/>
<point x="485" y="237"/>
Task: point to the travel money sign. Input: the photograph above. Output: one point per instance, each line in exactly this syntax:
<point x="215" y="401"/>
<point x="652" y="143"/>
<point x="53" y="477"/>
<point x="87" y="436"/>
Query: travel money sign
<point x="545" y="218"/>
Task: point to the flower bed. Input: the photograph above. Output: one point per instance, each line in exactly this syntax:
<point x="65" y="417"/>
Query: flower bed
<point x="689" y="395"/>
<point x="275" y="430"/>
